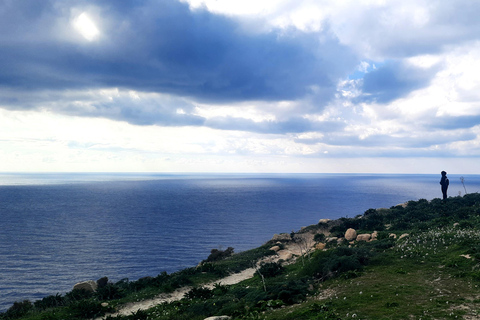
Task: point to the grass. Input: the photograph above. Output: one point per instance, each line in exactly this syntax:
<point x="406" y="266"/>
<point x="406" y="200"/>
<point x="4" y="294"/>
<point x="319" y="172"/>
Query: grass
<point x="433" y="273"/>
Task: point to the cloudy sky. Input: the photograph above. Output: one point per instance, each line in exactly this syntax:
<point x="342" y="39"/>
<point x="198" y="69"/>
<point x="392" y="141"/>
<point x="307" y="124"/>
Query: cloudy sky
<point x="240" y="86"/>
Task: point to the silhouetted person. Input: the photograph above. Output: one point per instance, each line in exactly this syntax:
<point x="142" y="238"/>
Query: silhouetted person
<point x="444" y="183"/>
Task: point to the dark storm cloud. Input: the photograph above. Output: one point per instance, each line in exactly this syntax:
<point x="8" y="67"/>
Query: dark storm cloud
<point x="393" y="81"/>
<point x="162" y="46"/>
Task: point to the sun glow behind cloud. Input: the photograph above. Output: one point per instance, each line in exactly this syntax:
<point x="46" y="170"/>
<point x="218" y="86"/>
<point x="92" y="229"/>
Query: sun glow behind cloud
<point x="211" y="85"/>
<point x="86" y="27"/>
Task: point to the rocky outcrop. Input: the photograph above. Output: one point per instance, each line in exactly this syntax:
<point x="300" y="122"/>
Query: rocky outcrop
<point x="350" y="234"/>
<point x="320" y="246"/>
<point x="102" y="282"/>
<point x="219" y="318"/>
<point x="282" y="237"/>
<point x="324" y="221"/>
<point x="90" y="286"/>
<point x="275" y="248"/>
<point x="364" y="237"/>
<point x="284" y="255"/>
<point x="331" y="239"/>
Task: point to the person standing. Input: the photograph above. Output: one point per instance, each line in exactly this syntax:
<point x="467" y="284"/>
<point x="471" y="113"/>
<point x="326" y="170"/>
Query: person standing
<point x="444" y="182"/>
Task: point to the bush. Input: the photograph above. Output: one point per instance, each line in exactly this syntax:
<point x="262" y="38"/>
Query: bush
<point x="19" y="309"/>
<point x="50" y="302"/>
<point x="216" y="255"/>
<point x="319" y="237"/>
<point x="77" y="295"/>
<point x="199" y="293"/>
<point x="291" y="292"/>
<point x="271" y="269"/>
<point x="327" y="264"/>
<point x="87" y="309"/>
<point x="109" y="292"/>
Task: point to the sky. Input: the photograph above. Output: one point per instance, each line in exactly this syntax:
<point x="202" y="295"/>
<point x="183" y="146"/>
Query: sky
<point x="289" y="86"/>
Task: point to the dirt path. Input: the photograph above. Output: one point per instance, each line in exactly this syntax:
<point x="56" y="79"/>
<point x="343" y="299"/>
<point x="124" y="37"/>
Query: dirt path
<point x="178" y="294"/>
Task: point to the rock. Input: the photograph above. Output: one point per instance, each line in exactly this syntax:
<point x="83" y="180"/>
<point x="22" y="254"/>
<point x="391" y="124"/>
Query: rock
<point x="350" y="234"/>
<point x="90" y="286"/>
<point x="324" y="220"/>
<point x="364" y="237"/>
<point x="275" y="248"/>
<point x="104" y="304"/>
<point x="282" y="237"/>
<point x="374" y="235"/>
<point x="320" y="246"/>
<point x="284" y="255"/>
<point x="218" y="318"/>
<point x="331" y="239"/>
<point x="403" y="236"/>
<point x="102" y="282"/>
<point x="456" y="224"/>
<point x="392" y="235"/>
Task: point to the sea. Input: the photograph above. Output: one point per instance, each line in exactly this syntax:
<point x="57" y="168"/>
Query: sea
<point x="60" y="229"/>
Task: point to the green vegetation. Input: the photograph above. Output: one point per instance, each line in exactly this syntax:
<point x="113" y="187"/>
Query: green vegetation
<point x="425" y="264"/>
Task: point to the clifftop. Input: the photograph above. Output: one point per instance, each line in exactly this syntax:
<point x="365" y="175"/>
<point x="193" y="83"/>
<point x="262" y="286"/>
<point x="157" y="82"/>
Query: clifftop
<point x="415" y="261"/>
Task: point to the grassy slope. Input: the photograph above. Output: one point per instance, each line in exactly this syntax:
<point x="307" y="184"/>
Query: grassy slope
<point x="422" y="276"/>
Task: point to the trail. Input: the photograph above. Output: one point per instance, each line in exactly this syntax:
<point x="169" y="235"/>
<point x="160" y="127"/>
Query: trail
<point x="178" y="294"/>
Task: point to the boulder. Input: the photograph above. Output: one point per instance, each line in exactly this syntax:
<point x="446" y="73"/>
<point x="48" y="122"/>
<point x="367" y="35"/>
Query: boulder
<point x="364" y="237"/>
<point x="320" y="246"/>
<point x="275" y="248"/>
<point x="350" y="234"/>
<point x="284" y="255"/>
<point x="392" y="235"/>
<point x="403" y="236"/>
<point x="331" y="239"/>
<point x="324" y="220"/>
<point x="282" y="237"/>
<point x="102" y="282"/>
<point x="218" y="318"/>
<point x="374" y="235"/>
<point x="90" y="286"/>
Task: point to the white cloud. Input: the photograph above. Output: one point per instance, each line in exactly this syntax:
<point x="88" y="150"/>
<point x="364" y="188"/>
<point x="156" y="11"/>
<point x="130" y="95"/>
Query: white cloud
<point x="166" y="94"/>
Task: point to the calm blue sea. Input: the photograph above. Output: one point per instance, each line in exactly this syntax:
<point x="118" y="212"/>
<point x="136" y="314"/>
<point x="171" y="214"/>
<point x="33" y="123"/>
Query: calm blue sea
<point x="59" y="229"/>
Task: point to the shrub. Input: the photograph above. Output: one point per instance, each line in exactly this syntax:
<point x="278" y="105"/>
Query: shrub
<point x="271" y="269"/>
<point x="291" y="292"/>
<point x="50" y="302"/>
<point x="77" y="295"/>
<point x="216" y="255"/>
<point x="319" y="237"/>
<point x="109" y="292"/>
<point x="326" y="264"/>
<point x="19" y="309"/>
<point x="199" y="293"/>
<point x="86" y="309"/>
